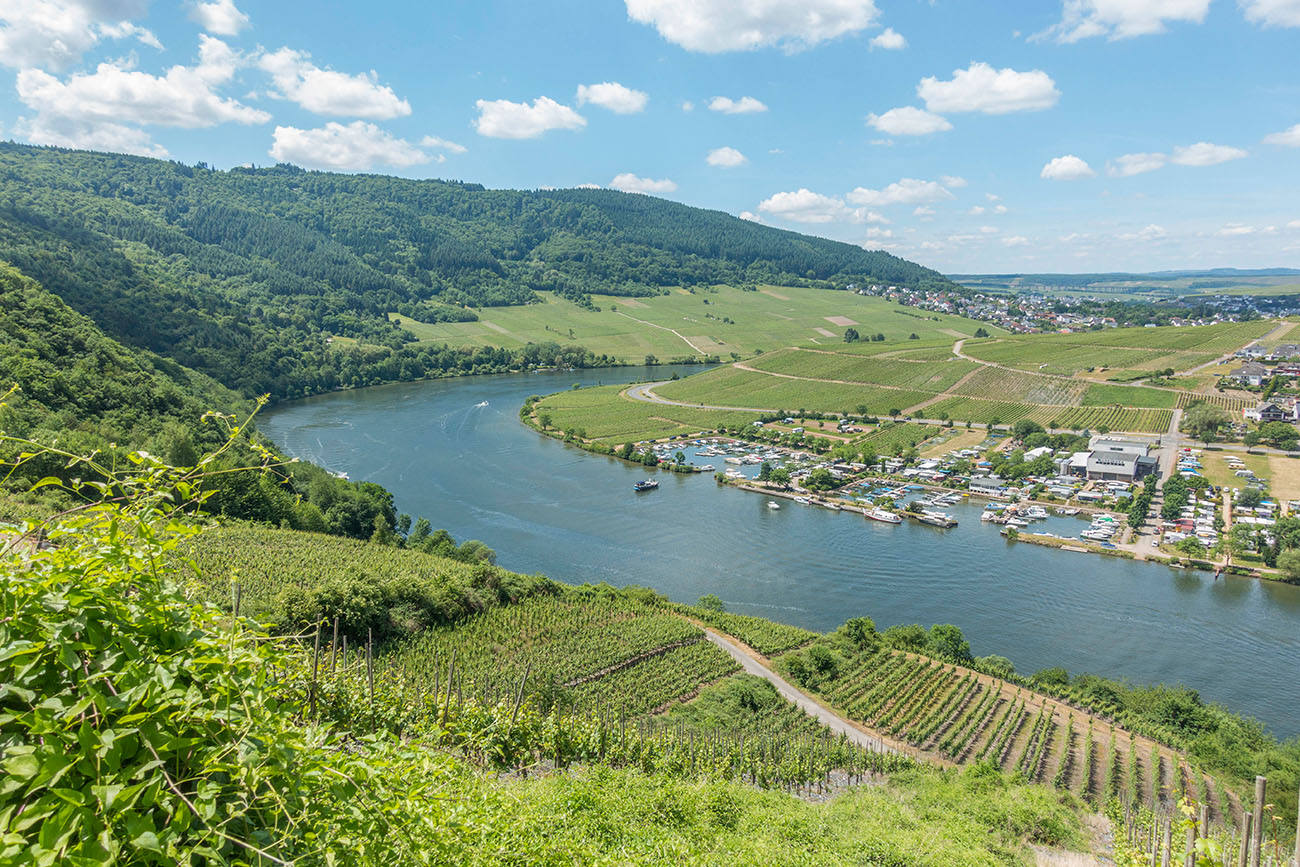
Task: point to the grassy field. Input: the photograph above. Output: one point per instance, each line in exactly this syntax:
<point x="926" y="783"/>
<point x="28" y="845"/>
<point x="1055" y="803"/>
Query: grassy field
<point x="731" y="386"/>
<point x="604" y="415"/>
<point x="631" y="328"/>
<point x="870" y="370"/>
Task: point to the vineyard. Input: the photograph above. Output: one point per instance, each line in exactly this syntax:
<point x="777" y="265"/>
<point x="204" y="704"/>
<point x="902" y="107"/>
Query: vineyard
<point x="1231" y="403"/>
<point x="974" y="409"/>
<point x="921" y="376"/>
<point x="733" y="386"/>
<point x="1113" y="418"/>
<point x="949" y="714"/>
<point x="1129" y="395"/>
<point x="995" y="383"/>
<point x="889" y="437"/>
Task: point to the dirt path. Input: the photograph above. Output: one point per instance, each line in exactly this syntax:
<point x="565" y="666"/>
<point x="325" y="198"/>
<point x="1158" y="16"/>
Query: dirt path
<point x="686" y="340"/>
<point x="644" y="392"/>
<point x="759" y="666"/>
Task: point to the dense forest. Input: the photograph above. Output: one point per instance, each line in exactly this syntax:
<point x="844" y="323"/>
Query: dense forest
<point x="251" y="275"/>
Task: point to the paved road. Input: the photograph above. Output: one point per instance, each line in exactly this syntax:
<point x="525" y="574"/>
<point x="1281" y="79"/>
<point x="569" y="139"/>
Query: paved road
<point x="798" y="697"/>
<point x="645" y="392"/>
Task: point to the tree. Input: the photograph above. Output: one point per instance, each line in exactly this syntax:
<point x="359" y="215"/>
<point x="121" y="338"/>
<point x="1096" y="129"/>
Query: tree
<point x="981" y="332"/>
<point x="1025" y="427"/>
<point x="851" y="335"/>
<point x="895" y="412"/>
<point x="710" y="602"/>
<point x="1203" y="421"/>
<point x="1251" y="439"/>
<point x="651" y="361"/>
<point x="1289" y="563"/>
<point x="947" y="642"/>
<point x="780" y="476"/>
<point x="764" y="471"/>
<point x="679" y="457"/>
<point x="1250" y="498"/>
<point x="913" y="336"/>
<point x="1279" y="434"/>
<point x="994" y="422"/>
<point x="544" y="419"/>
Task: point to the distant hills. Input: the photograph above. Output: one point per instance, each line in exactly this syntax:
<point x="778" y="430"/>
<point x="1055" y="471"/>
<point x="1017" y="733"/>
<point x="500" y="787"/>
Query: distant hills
<point x="245" y="274"/>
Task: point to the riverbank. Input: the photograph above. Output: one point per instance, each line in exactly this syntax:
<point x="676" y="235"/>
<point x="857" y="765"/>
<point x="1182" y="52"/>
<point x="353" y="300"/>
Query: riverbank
<point x="547" y="508"/>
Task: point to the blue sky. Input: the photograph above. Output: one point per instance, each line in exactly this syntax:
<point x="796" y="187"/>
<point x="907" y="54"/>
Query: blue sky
<point x="1079" y="135"/>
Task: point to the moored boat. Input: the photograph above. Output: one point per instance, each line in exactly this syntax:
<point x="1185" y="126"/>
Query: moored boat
<point x="646" y="485"/>
<point x="884" y="516"/>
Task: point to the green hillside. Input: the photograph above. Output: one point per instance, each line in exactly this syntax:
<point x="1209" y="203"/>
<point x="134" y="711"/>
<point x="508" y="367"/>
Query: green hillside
<point x="245" y="275"/>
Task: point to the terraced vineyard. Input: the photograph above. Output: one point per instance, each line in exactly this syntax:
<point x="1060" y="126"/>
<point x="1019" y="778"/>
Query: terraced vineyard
<point x="1229" y="402"/>
<point x="1007" y="385"/>
<point x="918" y="375"/>
<point x="950" y="714"/>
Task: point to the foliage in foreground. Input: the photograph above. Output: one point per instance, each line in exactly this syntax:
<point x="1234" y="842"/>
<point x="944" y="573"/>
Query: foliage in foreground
<point x="141" y="728"/>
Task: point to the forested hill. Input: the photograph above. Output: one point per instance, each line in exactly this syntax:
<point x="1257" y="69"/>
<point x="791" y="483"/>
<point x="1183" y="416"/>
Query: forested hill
<point x="244" y="274"/>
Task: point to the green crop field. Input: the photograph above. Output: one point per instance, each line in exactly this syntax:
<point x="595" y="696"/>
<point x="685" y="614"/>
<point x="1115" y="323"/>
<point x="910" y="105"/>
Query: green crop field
<point x="631" y="328"/>
<point x="888" y="437"/>
<point x="729" y="386"/>
<point x="603" y="414"/>
<point x="872" y="370"/>
<point x="1126" y="348"/>
<point x="993" y="383"/>
<point x="1127" y="395"/>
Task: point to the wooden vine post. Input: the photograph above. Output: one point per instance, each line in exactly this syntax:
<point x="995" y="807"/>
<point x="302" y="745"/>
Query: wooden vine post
<point x="1257" y="837"/>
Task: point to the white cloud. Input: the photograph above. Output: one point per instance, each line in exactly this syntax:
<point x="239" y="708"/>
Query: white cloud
<point x="1205" y="154"/>
<point x="1287" y="138"/>
<point x="1294" y="224"/>
<point x="1272" y="13"/>
<point x="716" y="26"/>
<point x="71" y="133"/>
<point x="220" y="17"/>
<point x="909" y="120"/>
<point x="923" y="211"/>
<point x="1016" y="241"/>
<point x="1233" y="230"/>
<point x="1121" y="19"/>
<point x="115" y="95"/>
<point x="988" y="230"/>
<point x="1135" y="164"/>
<point x="613" y="96"/>
<point x="1000" y="209"/>
<point x="879" y="233"/>
<point x="976" y="211"/>
<point x="744" y="105"/>
<point x="726" y="158"/>
<point x="982" y="88"/>
<point x="805" y="206"/>
<point x="905" y="191"/>
<point x="501" y="118"/>
<point x="687" y="105"/>
<point x="952" y="181"/>
<point x="630" y="183"/>
<point x="54" y="34"/>
<point x="992" y="197"/>
<point x="1147" y="233"/>
<point x="1066" y="168"/>
<point x="889" y="40"/>
<point x="432" y="141"/>
<point x="324" y="91"/>
<point x="750" y="216"/>
<point x="358" y="146"/>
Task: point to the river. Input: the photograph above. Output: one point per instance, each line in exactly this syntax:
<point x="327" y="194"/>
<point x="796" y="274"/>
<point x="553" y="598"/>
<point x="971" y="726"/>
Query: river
<point x="472" y="468"/>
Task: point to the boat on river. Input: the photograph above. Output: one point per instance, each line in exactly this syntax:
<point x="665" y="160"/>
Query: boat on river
<point x="936" y="519"/>
<point x="884" y="516"/>
<point x="773" y="504"/>
<point x="646" y="485"/>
